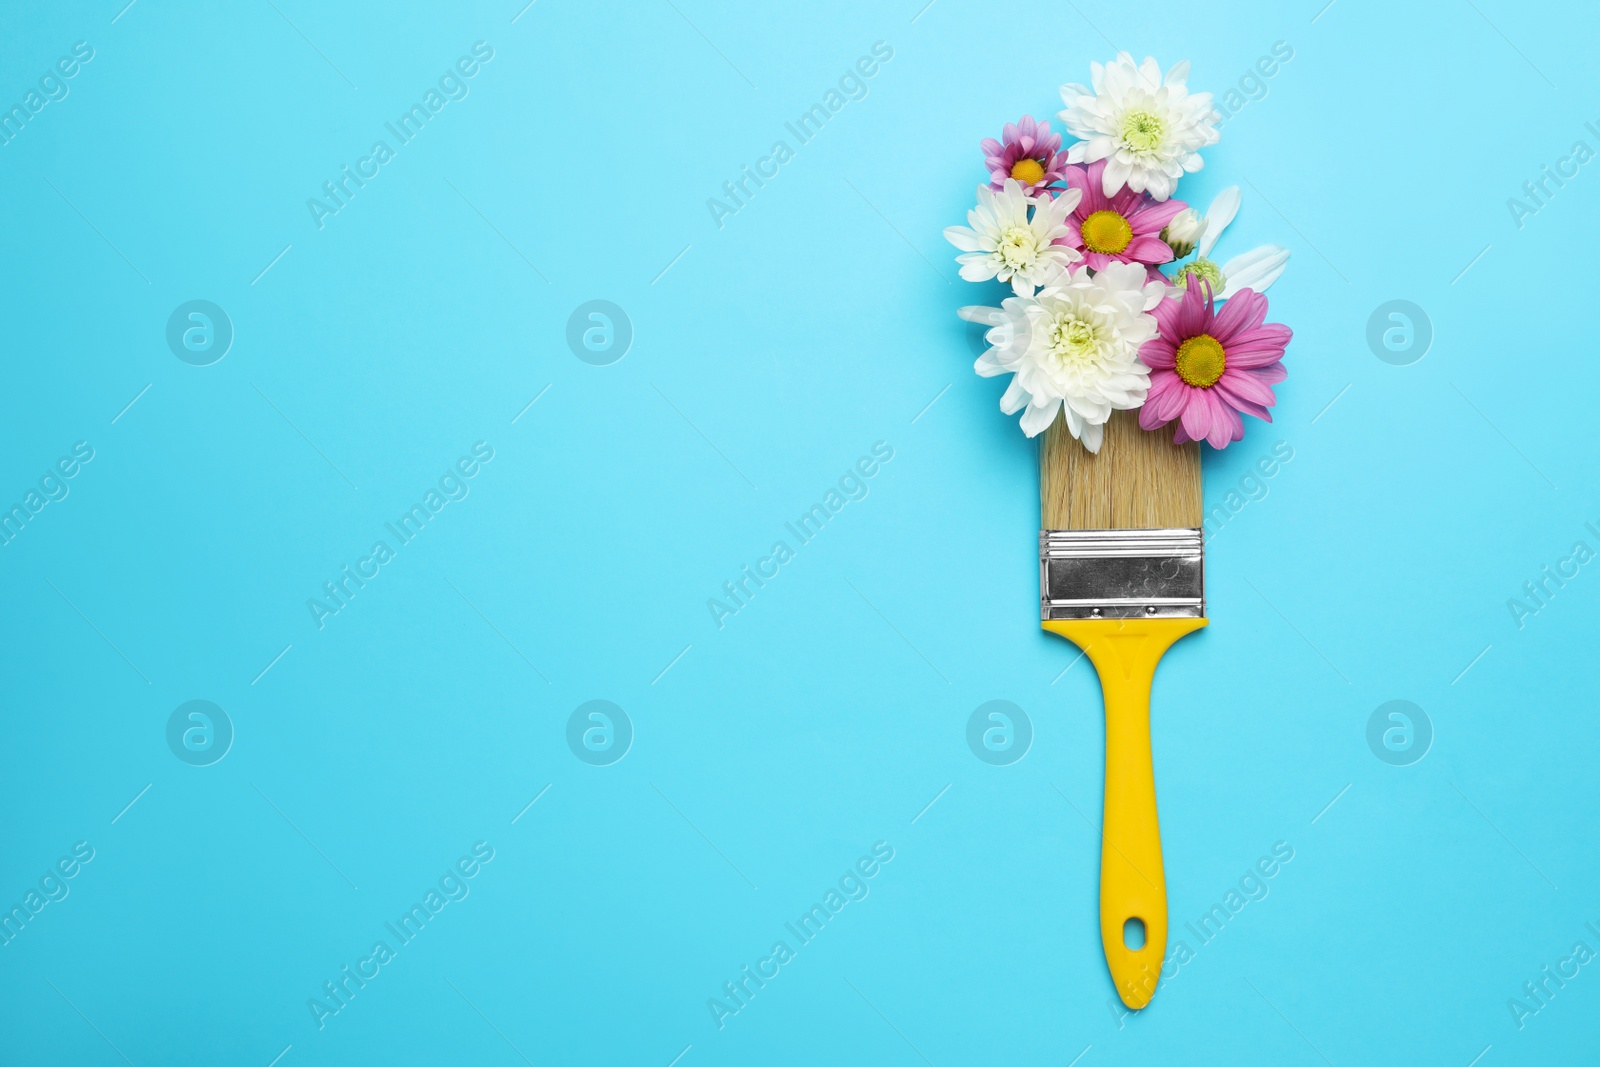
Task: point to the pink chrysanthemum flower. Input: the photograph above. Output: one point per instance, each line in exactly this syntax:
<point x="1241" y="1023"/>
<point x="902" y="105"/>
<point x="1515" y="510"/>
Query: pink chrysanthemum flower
<point x="1124" y="227"/>
<point x="1031" y="154"/>
<point x="1208" y="365"/>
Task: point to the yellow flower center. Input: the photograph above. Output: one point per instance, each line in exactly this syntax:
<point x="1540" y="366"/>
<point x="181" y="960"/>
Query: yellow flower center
<point x="1106" y="232"/>
<point x="1073" y="339"/>
<point x="1027" y="170"/>
<point x="1142" y="130"/>
<point x="1201" y="361"/>
<point x="1018" y="247"/>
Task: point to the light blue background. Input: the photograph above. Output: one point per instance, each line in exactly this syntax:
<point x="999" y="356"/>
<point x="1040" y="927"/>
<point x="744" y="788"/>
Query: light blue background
<point x="829" y="712"/>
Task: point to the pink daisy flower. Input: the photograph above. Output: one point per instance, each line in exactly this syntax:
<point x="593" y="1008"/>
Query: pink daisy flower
<point x="1124" y="227"/>
<point x="1031" y="154"/>
<point x="1207" y="366"/>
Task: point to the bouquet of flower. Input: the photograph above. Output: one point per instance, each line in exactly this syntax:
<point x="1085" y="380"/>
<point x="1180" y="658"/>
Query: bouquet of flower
<point x="1094" y="324"/>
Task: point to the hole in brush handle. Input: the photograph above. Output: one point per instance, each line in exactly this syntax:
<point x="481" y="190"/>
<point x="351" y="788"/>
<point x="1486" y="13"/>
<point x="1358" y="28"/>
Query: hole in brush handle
<point x="1133" y="933"/>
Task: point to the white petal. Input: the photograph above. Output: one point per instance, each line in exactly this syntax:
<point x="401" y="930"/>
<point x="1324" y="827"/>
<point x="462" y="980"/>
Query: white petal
<point x="978" y="313"/>
<point x="1092" y="435"/>
<point x="977" y="267"/>
<point x="1091" y="409"/>
<point x="1218" y="215"/>
<point x="1123" y="275"/>
<point x="1117" y="174"/>
<point x="1015" y="398"/>
<point x="1255" y="269"/>
<point x="1038" y="417"/>
<point x="963" y="237"/>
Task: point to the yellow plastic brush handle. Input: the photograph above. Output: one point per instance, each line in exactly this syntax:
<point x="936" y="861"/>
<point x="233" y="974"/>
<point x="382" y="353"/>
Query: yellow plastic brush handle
<point x="1133" y="882"/>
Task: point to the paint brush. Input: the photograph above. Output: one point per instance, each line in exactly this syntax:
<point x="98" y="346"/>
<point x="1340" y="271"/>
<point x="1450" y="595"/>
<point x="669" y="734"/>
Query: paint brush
<point x="1122" y="576"/>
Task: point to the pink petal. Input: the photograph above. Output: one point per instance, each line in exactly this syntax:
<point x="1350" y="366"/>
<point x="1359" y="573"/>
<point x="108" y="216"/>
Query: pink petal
<point x="1148" y="250"/>
<point x="1226" y="425"/>
<point x="1243" y="312"/>
<point x="1161" y="383"/>
<point x="1275" y="334"/>
<point x="1124" y="201"/>
<point x="1150" y="218"/>
<point x="1271" y="374"/>
<point x="1169" y="402"/>
<point x="1167" y="314"/>
<point x="1162" y="408"/>
<point x="1252" y="355"/>
<point x="1236" y="404"/>
<point x="1194" y="313"/>
<point x="1248" y="387"/>
<point x="1197" y="416"/>
<point x="1255" y="409"/>
<point x="1158" y="353"/>
<point x="1094" y="198"/>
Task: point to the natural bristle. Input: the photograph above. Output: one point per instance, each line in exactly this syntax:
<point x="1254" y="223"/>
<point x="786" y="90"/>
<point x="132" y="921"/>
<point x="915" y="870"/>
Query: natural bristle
<point x="1139" y="480"/>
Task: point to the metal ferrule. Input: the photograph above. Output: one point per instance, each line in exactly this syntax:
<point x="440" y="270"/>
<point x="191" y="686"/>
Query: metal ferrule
<point x="1121" y="574"/>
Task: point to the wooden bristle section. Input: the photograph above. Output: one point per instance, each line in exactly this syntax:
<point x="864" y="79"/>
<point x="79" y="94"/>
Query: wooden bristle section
<point x="1139" y="480"/>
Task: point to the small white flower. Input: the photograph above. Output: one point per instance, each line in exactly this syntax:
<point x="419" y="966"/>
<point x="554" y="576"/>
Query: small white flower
<point x="1184" y="232"/>
<point x="1073" y="348"/>
<point x="1148" y="128"/>
<point x="1255" y="269"/>
<point x="1003" y="241"/>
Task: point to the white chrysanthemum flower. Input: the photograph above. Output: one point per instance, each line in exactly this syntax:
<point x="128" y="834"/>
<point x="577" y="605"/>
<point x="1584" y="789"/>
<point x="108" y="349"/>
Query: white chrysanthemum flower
<point x="1147" y="128"/>
<point x="1073" y="348"/>
<point x="1005" y="240"/>
<point x="1255" y="269"/>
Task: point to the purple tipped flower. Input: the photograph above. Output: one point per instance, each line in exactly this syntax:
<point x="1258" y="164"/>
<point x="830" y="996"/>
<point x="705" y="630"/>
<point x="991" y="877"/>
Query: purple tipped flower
<point x="1031" y="154"/>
